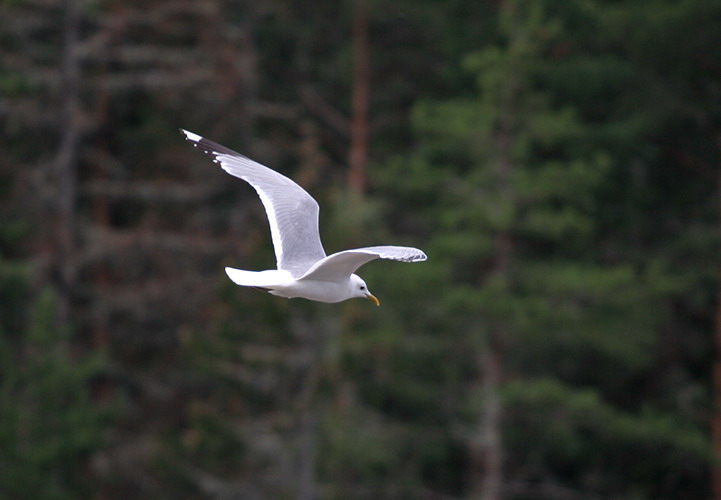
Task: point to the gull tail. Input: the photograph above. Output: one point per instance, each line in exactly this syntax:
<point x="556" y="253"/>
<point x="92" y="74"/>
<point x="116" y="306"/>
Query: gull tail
<point x="258" y="279"/>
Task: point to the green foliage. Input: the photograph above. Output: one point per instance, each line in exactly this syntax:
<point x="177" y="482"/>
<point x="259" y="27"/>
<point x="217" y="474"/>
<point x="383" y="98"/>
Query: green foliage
<point x="565" y="305"/>
<point x="49" y="424"/>
<point x="575" y="437"/>
<point x="557" y="160"/>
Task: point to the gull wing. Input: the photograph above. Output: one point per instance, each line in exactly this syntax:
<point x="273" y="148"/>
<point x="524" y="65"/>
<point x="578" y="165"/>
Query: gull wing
<point x="339" y="266"/>
<point x="292" y="212"/>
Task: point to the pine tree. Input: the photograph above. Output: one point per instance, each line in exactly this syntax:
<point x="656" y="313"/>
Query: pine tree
<point x="50" y="424"/>
<point x="557" y="160"/>
<point x="511" y="195"/>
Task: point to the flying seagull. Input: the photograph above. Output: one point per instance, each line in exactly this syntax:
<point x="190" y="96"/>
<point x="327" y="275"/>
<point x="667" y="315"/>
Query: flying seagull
<point x="303" y="269"/>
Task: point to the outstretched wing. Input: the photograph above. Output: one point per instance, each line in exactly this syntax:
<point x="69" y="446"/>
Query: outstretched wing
<point x="340" y="265"/>
<point x="292" y="212"/>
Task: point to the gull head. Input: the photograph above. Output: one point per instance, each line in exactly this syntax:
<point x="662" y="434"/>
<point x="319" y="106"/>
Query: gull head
<point x="360" y="289"/>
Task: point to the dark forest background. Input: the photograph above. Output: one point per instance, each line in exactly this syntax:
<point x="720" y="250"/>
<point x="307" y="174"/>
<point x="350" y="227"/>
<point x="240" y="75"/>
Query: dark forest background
<point x="558" y="160"/>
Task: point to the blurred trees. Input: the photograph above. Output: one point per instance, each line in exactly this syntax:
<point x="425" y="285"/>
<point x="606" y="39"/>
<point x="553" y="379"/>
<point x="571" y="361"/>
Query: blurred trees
<point x="512" y="183"/>
<point x="557" y="160"/>
<point x="50" y="425"/>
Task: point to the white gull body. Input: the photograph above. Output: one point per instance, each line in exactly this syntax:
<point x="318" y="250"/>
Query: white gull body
<point x="303" y="268"/>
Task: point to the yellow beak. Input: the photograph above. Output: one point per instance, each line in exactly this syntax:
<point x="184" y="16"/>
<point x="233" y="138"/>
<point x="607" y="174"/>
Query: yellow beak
<point x="373" y="299"/>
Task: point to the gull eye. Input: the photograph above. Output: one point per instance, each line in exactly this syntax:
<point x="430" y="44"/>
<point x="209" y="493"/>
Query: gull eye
<point x="362" y="287"/>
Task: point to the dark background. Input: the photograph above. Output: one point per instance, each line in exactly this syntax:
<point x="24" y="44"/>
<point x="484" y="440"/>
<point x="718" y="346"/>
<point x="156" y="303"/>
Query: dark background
<point x="558" y="161"/>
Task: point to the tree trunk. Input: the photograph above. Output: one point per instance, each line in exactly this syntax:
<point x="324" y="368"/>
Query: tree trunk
<point x="314" y="331"/>
<point x="716" y="383"/>
<point x="716" y="417"/>
<point x="65" y="165"/>
<point x="307" y="455"/>
<point x="486" y="446"/>
<point x="359" y="122"/>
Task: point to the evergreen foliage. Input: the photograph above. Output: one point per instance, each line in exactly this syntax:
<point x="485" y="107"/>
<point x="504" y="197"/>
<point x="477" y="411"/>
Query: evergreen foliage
<point x="557" y="160"/>
<point x="49" y="424"/>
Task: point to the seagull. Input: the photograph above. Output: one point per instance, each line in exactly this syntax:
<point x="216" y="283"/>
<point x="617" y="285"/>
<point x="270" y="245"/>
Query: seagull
<point x="303" y="268"/>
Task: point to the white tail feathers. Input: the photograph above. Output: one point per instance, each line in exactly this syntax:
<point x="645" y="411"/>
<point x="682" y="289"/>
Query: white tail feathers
<point x="258" y="278"/>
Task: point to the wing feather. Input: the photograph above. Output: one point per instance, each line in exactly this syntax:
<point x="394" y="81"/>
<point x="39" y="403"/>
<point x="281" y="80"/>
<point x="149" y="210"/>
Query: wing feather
<point x="339" y="266"/>
<point x="292" y="212"/>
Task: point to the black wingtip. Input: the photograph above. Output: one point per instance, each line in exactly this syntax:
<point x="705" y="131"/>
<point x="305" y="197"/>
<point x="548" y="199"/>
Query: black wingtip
<point x="212" y="148"/>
